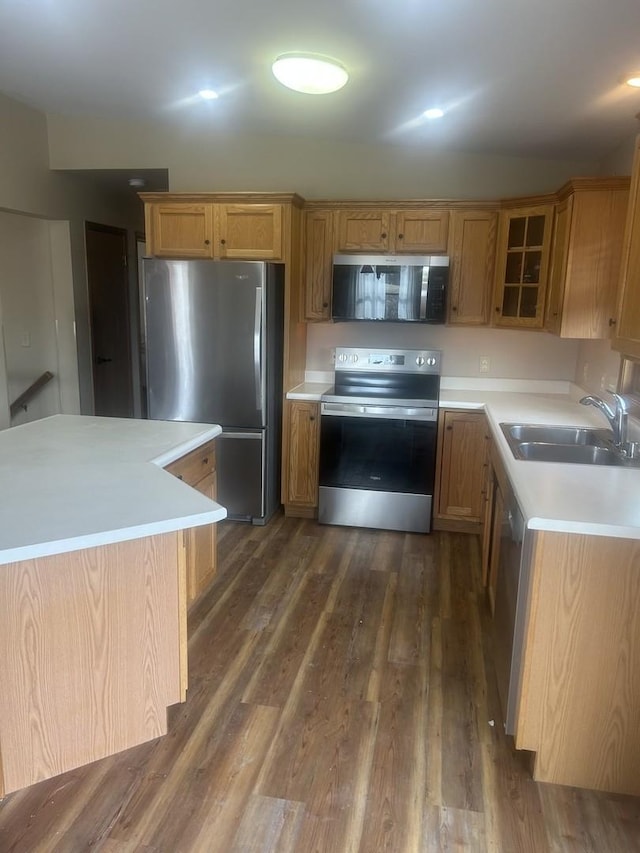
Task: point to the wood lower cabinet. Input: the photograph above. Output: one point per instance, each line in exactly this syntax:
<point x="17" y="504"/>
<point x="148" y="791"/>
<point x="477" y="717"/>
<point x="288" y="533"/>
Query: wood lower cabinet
<point x="303" y="452"/>
<point x="586" y="256"/>
<point x="91" y="655"/>
<point x="198" y="469"/>
<point x="627" y="320"/>
<point x="472" y="249"/>
<point x="522" y="264"/>
<point x="580" y="684"/>
<point x="208" y="229"/>
<point x="461" y="471"/>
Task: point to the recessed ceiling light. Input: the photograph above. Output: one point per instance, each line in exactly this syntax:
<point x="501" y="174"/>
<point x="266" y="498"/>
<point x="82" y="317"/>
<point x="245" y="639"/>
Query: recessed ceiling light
<point x="633" y="79"/>
<point x="208" y="94"/>
<point x="433" y="113"/>
<point x="309" y="74"/>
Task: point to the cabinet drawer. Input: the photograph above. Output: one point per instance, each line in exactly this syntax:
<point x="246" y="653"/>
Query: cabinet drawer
<point x="194" y="466"/>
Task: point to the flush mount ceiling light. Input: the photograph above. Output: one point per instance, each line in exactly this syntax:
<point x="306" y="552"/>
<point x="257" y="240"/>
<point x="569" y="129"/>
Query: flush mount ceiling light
<point x="309" y="74"/>
<point x="435" y="112"/>
<point x="208" y="94"/>
<point x="633" y="79"/>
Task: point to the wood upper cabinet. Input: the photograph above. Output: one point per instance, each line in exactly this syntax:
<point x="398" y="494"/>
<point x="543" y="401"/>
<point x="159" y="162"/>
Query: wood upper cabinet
<point x="318" y="254"/>
<point x="303" y="456"/>
<point x="198" y="469"/>
<point x="472" y="247"/>
<point x="627" y="328"/>
<point x="461" y="470"/>
<point x="251" y="231"/>
<point x="179" y="230"/>
<point x="392" y="230"/>
<point x="585" y="257"/>
<point x="522" y="261"/>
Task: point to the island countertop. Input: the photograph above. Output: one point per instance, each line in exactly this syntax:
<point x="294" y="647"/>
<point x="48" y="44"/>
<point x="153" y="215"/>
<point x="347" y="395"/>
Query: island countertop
<point x="72" y="482"/>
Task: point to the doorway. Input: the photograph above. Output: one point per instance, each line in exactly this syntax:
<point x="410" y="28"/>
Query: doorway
<point x="108" y="286"/>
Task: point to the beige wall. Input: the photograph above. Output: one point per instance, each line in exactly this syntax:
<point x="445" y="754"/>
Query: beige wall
<point x="28" y="186"/>
<point x="201" y="159"/>
<point x="513" y="355"/>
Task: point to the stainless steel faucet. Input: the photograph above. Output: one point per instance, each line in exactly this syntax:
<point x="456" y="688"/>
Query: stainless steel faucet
<point x="617" y="417"/>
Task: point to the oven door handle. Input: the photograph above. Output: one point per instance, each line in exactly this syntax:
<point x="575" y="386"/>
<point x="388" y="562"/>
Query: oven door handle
<point x="399" y="413"/>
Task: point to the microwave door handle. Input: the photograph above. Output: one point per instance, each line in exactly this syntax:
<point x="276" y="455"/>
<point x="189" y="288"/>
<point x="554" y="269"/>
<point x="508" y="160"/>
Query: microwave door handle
<point x="424" y="289"/>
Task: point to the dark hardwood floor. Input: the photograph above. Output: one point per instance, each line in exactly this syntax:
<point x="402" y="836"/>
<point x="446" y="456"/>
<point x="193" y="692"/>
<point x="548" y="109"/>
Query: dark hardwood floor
<point x="341" y="700"/>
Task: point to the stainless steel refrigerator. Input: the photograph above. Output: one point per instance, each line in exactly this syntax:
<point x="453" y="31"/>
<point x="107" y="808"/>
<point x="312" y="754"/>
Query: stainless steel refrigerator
<point x="213" y="338"/>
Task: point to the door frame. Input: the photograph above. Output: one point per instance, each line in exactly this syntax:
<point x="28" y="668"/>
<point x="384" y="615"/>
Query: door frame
<point x="121" y="232"/>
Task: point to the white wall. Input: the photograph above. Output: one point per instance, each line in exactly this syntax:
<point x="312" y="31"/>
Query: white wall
<point x="201" y="158"/>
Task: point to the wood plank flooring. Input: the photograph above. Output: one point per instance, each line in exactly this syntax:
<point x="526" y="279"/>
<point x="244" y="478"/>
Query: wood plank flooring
<point x="341" y="699"/>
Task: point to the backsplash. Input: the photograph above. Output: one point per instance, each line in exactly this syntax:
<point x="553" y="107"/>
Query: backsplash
<point x="481" y="353"/>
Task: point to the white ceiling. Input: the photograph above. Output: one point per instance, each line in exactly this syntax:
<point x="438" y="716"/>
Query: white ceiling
<point x="538" y="78"/>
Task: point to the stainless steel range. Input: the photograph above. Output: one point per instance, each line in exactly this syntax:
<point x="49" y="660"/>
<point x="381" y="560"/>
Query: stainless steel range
<point x="378" y="439"/>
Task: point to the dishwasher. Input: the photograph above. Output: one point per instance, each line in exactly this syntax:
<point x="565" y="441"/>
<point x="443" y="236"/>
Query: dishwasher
<point x="511" y="600"/>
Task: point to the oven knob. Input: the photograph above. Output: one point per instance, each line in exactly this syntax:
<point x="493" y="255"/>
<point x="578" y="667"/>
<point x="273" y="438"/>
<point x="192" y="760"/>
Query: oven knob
<point x="431" y="361"/>
<point x="343" y="356"/>
<point x="420" y="360"/>
<point x="354" y="358"/>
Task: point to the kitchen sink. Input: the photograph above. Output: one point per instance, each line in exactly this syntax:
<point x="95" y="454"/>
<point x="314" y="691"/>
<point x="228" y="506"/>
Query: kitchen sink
<point x="558" y="434"/>
<point x="578" y="453"/>
<point x="574" y="444"/>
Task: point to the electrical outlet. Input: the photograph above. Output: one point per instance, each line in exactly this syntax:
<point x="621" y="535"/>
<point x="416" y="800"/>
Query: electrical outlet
<point x="484" y="364"/>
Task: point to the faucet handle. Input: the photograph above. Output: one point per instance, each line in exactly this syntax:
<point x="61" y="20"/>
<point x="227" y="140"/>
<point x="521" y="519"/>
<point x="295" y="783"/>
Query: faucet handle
<point x="621" y="403"/>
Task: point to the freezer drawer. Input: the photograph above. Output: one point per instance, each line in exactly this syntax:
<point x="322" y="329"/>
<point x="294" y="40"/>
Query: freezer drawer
<point x="240" y="463"/>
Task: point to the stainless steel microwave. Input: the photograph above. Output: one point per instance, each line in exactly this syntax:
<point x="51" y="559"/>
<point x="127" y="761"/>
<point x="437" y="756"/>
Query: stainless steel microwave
<point x="390" y="288"/>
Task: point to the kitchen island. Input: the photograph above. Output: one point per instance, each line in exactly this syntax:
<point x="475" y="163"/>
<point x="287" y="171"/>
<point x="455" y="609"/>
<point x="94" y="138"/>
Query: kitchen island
<point x="92" y="587"/>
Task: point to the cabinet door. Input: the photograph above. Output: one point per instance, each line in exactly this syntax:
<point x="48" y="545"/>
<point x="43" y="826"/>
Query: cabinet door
<point x="462" y="465"/>
<point x="421" y="231"/>
<point x="180" y="230"/>
<point x="363" y="230"/>
<point x="627" y="338"/>
<point x="558" y="266"/>
<point x="585" y="262"/>
<point x="201" y="547"/>
<point x="524" y="241"/>
<point x="249" y="231"/>
<point x="472" y="247"/>
<point x="304" y="443"/>
<point x="318" y="262"/>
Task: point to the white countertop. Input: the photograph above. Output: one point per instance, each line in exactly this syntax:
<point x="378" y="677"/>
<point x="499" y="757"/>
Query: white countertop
<point x="569" y="498"/>
<point x="72" y="482"/>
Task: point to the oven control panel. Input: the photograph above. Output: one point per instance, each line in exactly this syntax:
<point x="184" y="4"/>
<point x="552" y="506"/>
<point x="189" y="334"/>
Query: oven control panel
<point x="404" y="361"/>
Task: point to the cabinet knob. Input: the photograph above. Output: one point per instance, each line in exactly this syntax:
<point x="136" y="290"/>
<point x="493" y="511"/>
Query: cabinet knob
<point x="400" y="236"/>
<point x="206" y="242"/>
<point x="449" y="427"/>
<point x="383" y="235"/>
<point x="497" y="309"/>
<point x="222" y="242"/>
<point x="454" y="307"/>
<point x="205" y="461"/>
<point x="312" y="417"/>
<point x="325" y="304"/>
<point x="612" y="321"/>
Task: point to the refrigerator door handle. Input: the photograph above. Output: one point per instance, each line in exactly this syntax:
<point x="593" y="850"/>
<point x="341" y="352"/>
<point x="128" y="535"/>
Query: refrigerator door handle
<point x="257" y="346"/>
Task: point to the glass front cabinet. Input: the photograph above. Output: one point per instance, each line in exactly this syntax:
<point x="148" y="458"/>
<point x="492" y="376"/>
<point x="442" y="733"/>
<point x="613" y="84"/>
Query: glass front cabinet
<point x="524" y="242"/>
